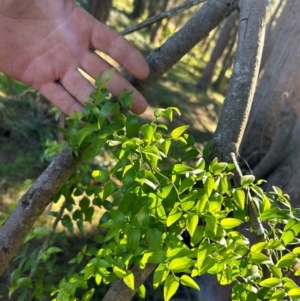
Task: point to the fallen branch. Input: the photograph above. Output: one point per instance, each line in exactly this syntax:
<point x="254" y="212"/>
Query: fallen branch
<point x="166" y="14"/>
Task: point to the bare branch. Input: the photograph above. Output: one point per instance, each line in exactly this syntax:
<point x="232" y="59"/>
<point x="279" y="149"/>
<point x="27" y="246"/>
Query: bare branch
<point x="166" y="14"/>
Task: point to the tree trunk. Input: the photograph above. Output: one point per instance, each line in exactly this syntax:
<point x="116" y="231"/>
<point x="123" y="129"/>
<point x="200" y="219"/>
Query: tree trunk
<point x="222" y="42"/>
<point x="100" y="9"/>
<point x="277" y="90"/>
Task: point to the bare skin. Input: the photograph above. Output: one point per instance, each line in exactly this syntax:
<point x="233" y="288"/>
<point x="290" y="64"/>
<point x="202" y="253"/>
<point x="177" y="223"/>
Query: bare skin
<point x="43" y="43"/>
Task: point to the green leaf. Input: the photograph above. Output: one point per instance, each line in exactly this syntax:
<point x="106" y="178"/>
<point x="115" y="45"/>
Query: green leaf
<point x="148" y="178"/>
<point x="239" y="197"/>
<point x="143" y="216"/>
<point x="188" y="202"/>
<point x="112" y="232"/>
<point x="290" y="231"/>
<point x="119" y="272"/>
<point x="247" y="180"/>
<point x="154" y="239"/>
<point x="129" y="177"/>
<point x="229" y="223"/>
<point x="270" y="282"/>
<point x="217" y="168"/>
<point x="118" y="217"/>
<point x="165" y="146"/>
<point x="198" y="235"/>
<point x="88" y="295"/>
<point x="188" y="281"/>
<point x="201" y="204"/>
<point x="259" y="258"/>
<point x="275" y="271"/>
<point x="25" y="281"/>
<point x="179" y="265"/>
<point x="258" y="247"/>
<point x="173" y="216"/>
<point x="132" y="126"/>
<point x="181" y="168"/>
<point x="133" y="239"/>
<point x="170" y="287"/>
<point x="192" y="223"/>
<point x="142" y="291"/>
<point x="83" y="133"/>
<point x="160" y="275"/>
<point x="148" y="131"/>
<point x="190" y="154"/>
<point x="129" y="280"/>
<point x="97" y="145"/>
<point x="209" y="186"/>
<point x="101" y="175"/>
<point x="186" y="184"/>
<point x="279" y="294"/>
<point x="211" y="224"/>
<point x="296" y="250"/>
<point x="294" y="293"/>
<point x="176" y="133"/>
<point x="287" y="260"/>
<point x="158" y="256"/>
<point x="106" y="110"/>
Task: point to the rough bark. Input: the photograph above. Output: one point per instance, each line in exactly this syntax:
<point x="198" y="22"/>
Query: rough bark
<point x="238" y="100"/>
<point x="281" y="74"/>
<point x="221" y="45"/>
<point x="36" y="199"/>
<point x="100" y="9"/>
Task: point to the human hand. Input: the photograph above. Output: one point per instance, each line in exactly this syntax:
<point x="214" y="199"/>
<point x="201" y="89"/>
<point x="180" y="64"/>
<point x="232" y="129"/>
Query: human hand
<point x="43" y="43"/>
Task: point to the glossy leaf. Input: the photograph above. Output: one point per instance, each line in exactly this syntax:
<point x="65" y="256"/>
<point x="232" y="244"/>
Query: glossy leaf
<point x="188" y="281"/>
<point x="270" y="282"/>
<point x="229" y="223"/>
<point x="170" y="287"/>
<point x="176" y="133"/>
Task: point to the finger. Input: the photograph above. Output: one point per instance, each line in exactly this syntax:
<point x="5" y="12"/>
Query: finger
<point x="92" y="64"/>
<point x="78" y="86"/>
<point x="56" y="94"/>
<point x="116" y="46"/>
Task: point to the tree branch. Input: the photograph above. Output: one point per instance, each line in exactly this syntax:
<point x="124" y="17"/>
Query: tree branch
<point x="227" y="138"/>
<point x="165" y="57"/>
<point x="33" y="203"/>
<point x="166" y="14"/>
